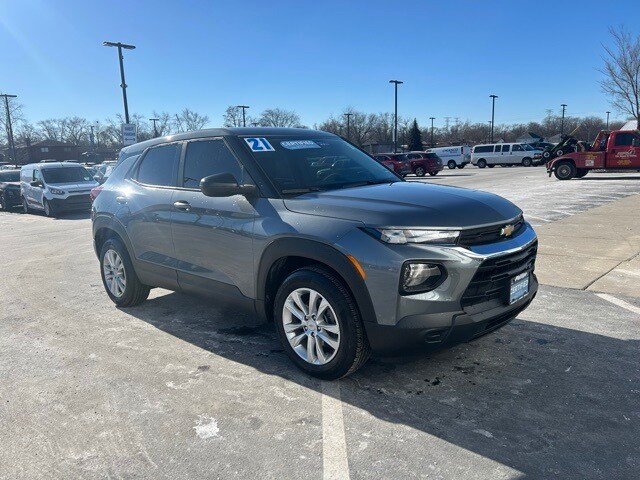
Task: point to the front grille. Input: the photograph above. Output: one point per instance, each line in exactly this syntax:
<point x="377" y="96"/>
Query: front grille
<point x="492" y="234"/>
<point x="491" y="281"/>
<point x="77" y="200"/>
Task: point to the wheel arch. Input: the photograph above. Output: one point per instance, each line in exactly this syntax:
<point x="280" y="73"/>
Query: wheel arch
<point x="104" y="228"/>
<point x="283" y="256"/>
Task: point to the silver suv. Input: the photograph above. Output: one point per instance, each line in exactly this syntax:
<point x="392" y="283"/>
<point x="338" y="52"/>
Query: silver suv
<point x="304" y="229"/>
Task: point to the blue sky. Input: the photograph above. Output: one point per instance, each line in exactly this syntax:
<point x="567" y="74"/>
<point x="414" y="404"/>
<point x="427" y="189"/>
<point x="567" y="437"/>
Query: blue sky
<point x="312" y="57"/>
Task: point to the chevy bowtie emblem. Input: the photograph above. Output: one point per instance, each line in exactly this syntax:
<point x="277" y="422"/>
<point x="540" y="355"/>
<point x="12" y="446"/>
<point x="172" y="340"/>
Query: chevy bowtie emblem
<point x="507" y="231"/>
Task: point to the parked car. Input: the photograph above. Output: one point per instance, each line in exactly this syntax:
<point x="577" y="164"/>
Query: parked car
<point x="490" y="155"/>
<point x="394" y="163"/>
<point x="453" y="157"/>
<point x="103" y="171"/>
<point x="346" y="261"/>
<point x="423" y="163"/>
<point x="9" y="189"/>
<point x="55" y="187"/>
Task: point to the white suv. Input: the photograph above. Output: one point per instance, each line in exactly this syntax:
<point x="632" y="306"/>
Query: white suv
<point x="490" y="155"/>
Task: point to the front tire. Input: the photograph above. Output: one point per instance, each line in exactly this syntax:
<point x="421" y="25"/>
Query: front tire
<point x="461" y="166"/>
<point x="48" y="209"/>
<point x="118" y="276"/>
<point x="420" y="171"/>
<point x="526" y="162"/>
<point x="452" y="164"/>
<point x="3" y="202"/>
<point x="433" y="174"/>
<point x="565" y="170"/>
<point x="581" y="172"/>
<point x="482" y="163"/>
<point x="319" y="324"/>
<point x="25" y="206"/>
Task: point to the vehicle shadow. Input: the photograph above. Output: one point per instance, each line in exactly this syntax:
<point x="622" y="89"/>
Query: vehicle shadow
<point x="73" y="216"/>
<point x="609" y="177"/>
<point x="544" y="400"/>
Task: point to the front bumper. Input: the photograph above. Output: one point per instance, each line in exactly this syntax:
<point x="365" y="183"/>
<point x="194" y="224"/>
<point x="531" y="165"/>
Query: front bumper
<point x="71" y="203"/>
<point x="473" y="299"/>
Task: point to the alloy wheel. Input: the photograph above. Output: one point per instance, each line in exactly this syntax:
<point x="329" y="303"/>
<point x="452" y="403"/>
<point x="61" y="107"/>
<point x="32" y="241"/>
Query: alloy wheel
<point x="114" y="274"/>
<point x="311" y="326"/>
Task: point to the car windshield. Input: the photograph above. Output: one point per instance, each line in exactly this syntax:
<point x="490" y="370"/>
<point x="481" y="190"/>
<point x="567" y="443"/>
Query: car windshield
<point x="297" y="165"/>
<point x="66" y="175"/>
<point x="10" y="176"/>
<point x="526" y="146"/>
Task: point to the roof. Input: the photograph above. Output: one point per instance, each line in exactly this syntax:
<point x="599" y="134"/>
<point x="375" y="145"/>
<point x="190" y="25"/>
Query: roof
<point x="221" y="132"/>
<point x="52" y="143"/>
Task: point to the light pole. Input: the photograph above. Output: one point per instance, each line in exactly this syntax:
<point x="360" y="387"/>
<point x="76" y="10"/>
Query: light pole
<point x="395" y="121"/>
<point x="155" y="130"/>
<point x="91" y="137"/>
<point x="493" y="113"/>
<point x="9" y="126"/>
<point x="348" y="115"/>
<point x="432" y="119"/>
<point x="564" y="106"/>
<point x="122" y="84"/>
<point x="490" y="125"/>
<point x="608" y="120"/>
<point x="244" y="120"/>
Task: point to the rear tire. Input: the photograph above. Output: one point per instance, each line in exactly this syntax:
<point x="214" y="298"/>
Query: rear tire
<point x="581" y="172"/>
<point x="420" y="171"/>
<point x="342" y="315"/>
<point x="433" y="174"/>
<point x="526" y="162"/>
<point x="565" y="170"/>
<point x="461" y="166"/>
<point x="452" y="164"/>
<point x="490" y="166"/>
<point x="482" y="163"/>
<point x="3" y="202"/>
<point x="133" y="292"/>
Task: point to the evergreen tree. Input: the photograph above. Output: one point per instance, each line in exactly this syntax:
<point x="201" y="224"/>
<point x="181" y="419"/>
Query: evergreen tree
<point x="415" y="137"/>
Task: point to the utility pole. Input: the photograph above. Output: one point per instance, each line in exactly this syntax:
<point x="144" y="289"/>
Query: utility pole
<point x="122" y="84"/>
<point x="155" y="130"/>
<point x="244" y="120"/>
<point x="432" y="119"/>
<point x="9" y="126"/>
<point x="348" y="115"/>
<point x="395" y="122"/>
<point x="564" y="106"/>
<point x="608" y="120"/>
<point x="91" y="137"/>
<point x="493" y="113"/>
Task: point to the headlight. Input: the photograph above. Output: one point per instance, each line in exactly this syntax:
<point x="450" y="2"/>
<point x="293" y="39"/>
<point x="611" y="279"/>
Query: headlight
<point x="401" y="236"/>
<point x="56" y="191"/>
<point x="420" y="277"/>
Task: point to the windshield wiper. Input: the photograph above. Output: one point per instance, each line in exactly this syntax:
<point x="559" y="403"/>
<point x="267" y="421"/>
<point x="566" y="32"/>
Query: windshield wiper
<point x="298" y="191"/>
<point x="366" y="182"/>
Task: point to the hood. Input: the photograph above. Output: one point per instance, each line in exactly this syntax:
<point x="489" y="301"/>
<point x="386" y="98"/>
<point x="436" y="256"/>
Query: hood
<point x="408" y="204"/>
<point x="74" y="187"/>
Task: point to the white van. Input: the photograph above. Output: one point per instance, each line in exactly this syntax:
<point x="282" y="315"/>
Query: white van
<point x="453" y="156"/>
<point x="55" y="187"/>
<point x="490" y="155"/>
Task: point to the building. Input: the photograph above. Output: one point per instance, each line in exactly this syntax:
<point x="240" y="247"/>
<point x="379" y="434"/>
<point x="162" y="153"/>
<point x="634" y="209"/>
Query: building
<point x="44" y="150"/>
<point x="529" y="138"/>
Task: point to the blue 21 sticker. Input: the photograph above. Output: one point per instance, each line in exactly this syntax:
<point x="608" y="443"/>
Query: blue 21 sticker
<point x="259" y="145"/>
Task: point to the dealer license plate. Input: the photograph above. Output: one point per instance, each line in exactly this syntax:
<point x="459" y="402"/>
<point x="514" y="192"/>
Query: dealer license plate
<point x="519" y="287"/>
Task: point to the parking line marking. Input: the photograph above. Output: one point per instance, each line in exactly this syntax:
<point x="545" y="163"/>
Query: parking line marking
<point x="335" y="465"/>
<point x="620" y="303"/>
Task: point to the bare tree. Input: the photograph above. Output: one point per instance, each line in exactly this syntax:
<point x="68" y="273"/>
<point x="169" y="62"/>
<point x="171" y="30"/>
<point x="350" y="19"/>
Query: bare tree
<point x="27" y="134"/>
<point x="189" y="120"/>
<point x="163" y="124"/>
<point x="232" y="117"/>
<point x="279" y="117"/>
<point x="17" y="118"/>
<point x="76" y="130"/>
<point x="52" y="128"/>
<point x="622" y="71"/>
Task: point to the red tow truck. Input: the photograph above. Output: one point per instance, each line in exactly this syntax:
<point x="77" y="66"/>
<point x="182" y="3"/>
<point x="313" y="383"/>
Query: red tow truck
<point x="617" y="150"/>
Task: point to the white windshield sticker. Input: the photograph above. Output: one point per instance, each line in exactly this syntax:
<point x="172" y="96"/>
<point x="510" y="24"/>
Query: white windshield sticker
<point x="259" y="145"/>
<point x="299" y="144"/>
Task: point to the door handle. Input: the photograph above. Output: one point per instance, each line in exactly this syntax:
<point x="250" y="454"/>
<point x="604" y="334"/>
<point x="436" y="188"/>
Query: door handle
<point x="182" y="205"/>
<point x="121" y="199"/>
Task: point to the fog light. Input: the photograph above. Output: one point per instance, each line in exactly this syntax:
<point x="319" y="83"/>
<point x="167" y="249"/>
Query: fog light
<point x="420" y="277"/>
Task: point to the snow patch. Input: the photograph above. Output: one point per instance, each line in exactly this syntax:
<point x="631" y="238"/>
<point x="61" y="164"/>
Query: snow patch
<point x="206" y="427"/>
<point x="483" y="432"/>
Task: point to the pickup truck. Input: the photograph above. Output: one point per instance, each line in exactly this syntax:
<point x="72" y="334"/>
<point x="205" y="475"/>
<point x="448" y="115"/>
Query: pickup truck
<point x="617" y="150"/>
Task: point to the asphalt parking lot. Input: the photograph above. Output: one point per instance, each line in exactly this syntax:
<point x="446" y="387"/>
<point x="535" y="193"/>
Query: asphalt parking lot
<point x="176" y="388"/>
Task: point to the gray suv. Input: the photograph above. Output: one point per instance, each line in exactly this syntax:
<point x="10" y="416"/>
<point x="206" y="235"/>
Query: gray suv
<point x="304" y="229"/>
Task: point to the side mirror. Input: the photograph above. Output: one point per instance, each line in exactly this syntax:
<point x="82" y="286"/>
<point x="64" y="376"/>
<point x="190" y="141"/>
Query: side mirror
<point x="36" y="183"/>
<point x="635" y="142"/>
<point x="224" y="185"/>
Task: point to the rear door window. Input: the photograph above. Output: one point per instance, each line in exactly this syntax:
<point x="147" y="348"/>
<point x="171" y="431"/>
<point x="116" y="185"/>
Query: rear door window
<point x="159" y="167"/>
<point x="505" y="148"/>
